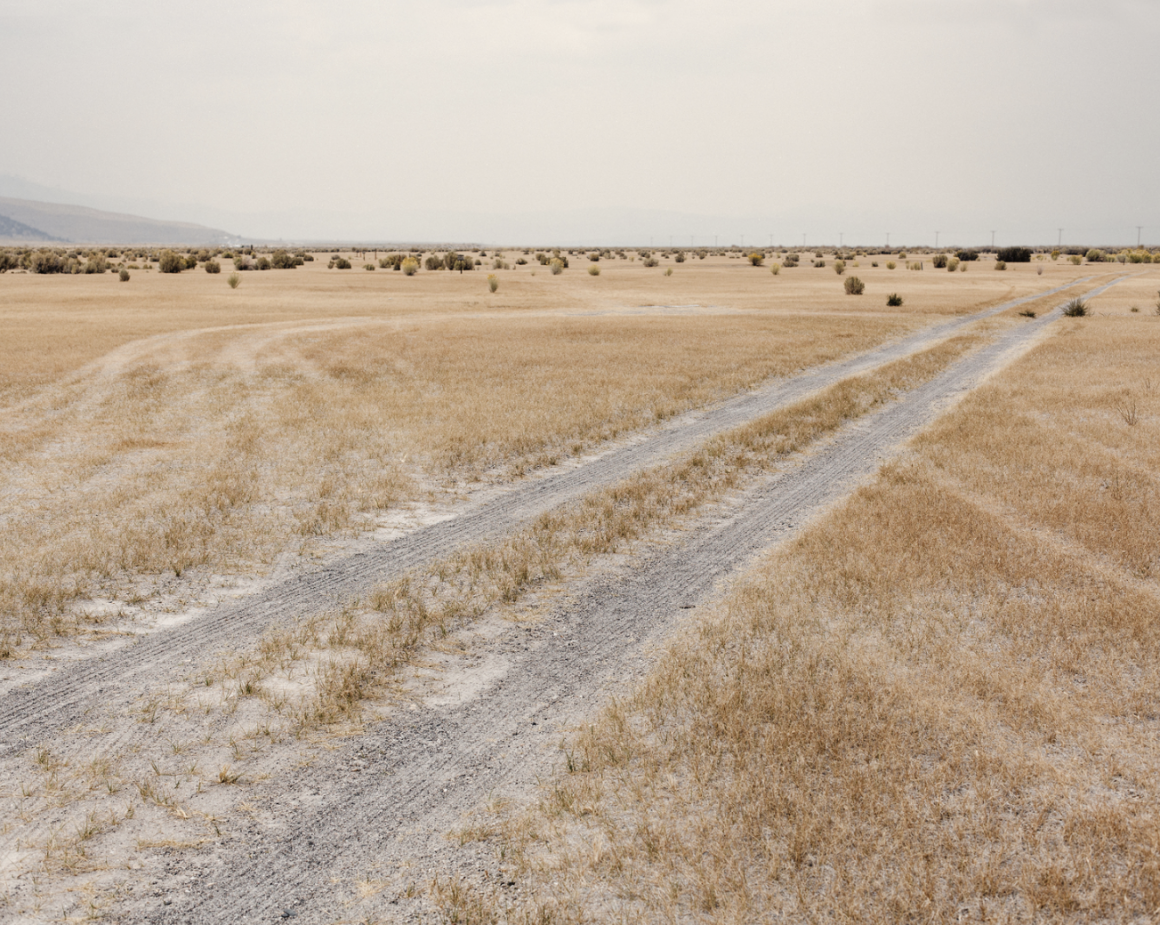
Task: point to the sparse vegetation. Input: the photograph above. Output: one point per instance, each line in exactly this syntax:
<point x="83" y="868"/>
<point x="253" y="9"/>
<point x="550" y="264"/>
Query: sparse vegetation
<point x="593" y="270"/>
<point x="1000" y="265"/>
<point x="123" y="275"/>
<point x="212" y="266"/>
<point x="410" y="266"/>
<point x="233" y="280"/>
<point x="492" y="282"/>
<point x="1014" y="255"/>
<point x="757" y="259"/>
<point x="1076" y="308"/>
<point x="839" y="267"/>
<point x="894" y="300"/>
<point x="854" y="286"/>
<point x="170" y="262"/>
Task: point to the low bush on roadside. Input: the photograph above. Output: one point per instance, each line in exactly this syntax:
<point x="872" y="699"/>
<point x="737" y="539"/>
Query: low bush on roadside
<point x="1095" y="256"/>
<point x="1015" y="254"/>
<point x="893" y="300"/>
<point x="1027" y="313"/>
<point x="1075" y="259"/>
<point x="854" y="286"/>
<point x="1076" y="308"/>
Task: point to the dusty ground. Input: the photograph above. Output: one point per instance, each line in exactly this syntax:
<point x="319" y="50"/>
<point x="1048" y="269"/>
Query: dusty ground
<point x="111" y="851"/>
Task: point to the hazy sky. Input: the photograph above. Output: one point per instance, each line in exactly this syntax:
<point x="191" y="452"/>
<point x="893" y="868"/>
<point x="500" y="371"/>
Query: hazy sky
<point x="555" y="119"/>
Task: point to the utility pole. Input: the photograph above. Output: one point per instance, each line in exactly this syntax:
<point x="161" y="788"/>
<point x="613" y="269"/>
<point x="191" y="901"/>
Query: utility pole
<point x="992" y="240"/>
<point x="803" y="239"/>
<point x="743" y="242"/>
<point x="936" y="234"/>
<point x="670" y="241"/>
<point x="1139" y="231"/>
<point x="771" y="239"/>
<point x="841" y="241"/>
<point x="888" y="239"/>
<point x="714" y="242"/>
<point x="1059" y="243"/>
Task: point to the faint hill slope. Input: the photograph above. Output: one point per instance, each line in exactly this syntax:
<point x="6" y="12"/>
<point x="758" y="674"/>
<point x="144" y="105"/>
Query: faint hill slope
<point x="92" y="226"/>
<point x="12" y="231"/>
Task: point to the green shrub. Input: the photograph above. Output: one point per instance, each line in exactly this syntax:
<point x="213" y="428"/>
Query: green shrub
<point x="264" y="263"/>
<point x="775" y="269"/>
<point x="369" y="266"/>
<point x="492" y="282"/>
<point x="894" y="299"/>
<point x="556" y="266"/>
<point x="123" y="276"/>
<point x="234" y="279"/>
<point x="1076" y="259"/>
<point x="854" y="286"/>
<point x="336" y="263"/>
<point x="791" y="260"/>
<point x="839" y="267"/>
<point x="890" y="264"/>
<point x="679" y="257"/>
<point x="952" y="264"/>
<point x="410" y="266"/>
<point x="170" y="262"/>
<point x="967" y="255"/>
<point x="594" y="270"/>
<point x="96" y="264"/>
<point x="668" y="271"/>
<point x="1095" y="256"/>
<point x="212" y="266"/>
<point x="281" y="260"/>
<point x="939" y="261"/>
<point x="756" y="259"/>
<point x="1076" y="308"/>
<point x="520" y="262"/>
<point x="649" y="262"/>
<point x="1015" y="254"/>
<point x="1000" y="265"/>
<point x="190" y="261"/>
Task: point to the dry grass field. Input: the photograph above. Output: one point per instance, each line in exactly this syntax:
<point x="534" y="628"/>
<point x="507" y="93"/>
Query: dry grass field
<point x="173" y="428"/>
<point x="812" y="748"/>
<point x="939" y="703"/>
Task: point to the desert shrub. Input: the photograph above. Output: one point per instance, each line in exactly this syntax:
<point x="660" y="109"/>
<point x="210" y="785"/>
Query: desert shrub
<point x="1122" y="257"/>
<point x="337" y="263"/>
<point x="668" y="271"/>
<point x="123" y="276"/>
<point x="410" y="265"/>
<point x="1055" y="254"/>
<point x="818" y="255"/>
<point x="556" y="266"/>
<point x="839" y="267"/>
<point x="1000" y="265"/>
<point x="775" y="269"/>
<point x="702" y="254"/>
<point x="1027" y="313"/>
<point x="791" y="260"/>
<point x="894" y="299"/>
<point x="281" y="260"/>
<point x="914" y="265"/>
<point x="953" y="264"/>
<point x="492" y="282"/>
<point x="854" y="286"/>
<point x="97" y="263"/>
<point x="234" y="279"/>
<point x="967" y="254"/>
<point x="1076" y="259"/>
<point x="649" y="262"/>
<point x="939" y="261"/>
<point x="679" y="257"/>
<point x="520" y="262"/>
<point x="212" y="266"/>
<point x="170" y="262"/>
<point x="1039" y="271"/>
<point x="890" y="264"/>
<point x="369" y="266"/>
<point x="1076" y="308"/>
<point x="1095" y="256"/>
<point x="8" y="262"/>
<point x="594" y="257"/>
<point x="756" y="259"/>
<point x="190" y="261"/>
<point x="819" y="263"/>
<point x="264" y="263"/>
<point x="542" y="258"/>
<point x="594" y="270"/>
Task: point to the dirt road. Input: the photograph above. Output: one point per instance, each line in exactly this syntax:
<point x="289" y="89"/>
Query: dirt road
<point x="386" y="800"/>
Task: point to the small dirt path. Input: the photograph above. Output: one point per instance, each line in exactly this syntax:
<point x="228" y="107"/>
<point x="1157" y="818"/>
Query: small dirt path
<point x="387" y="799"/>
<point x="32" y="714"/>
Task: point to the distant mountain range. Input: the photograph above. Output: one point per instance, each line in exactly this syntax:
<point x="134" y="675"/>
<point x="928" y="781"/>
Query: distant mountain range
<point x="27" y="221"/>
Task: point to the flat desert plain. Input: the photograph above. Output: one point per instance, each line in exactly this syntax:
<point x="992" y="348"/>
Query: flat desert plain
<point x="716" y="594"/>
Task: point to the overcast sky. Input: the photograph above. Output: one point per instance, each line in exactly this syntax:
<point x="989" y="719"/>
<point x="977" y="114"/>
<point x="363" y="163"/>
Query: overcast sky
<point x="542" y="120"/>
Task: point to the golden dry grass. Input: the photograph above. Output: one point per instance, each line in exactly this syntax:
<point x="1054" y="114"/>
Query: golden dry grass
<point x="939" y="703"/>
<point x="170" y="426"/>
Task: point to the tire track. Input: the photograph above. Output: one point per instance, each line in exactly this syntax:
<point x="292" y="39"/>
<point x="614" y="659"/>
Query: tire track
<point x="33" y="713"/>
<point x="392" y="795"/>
